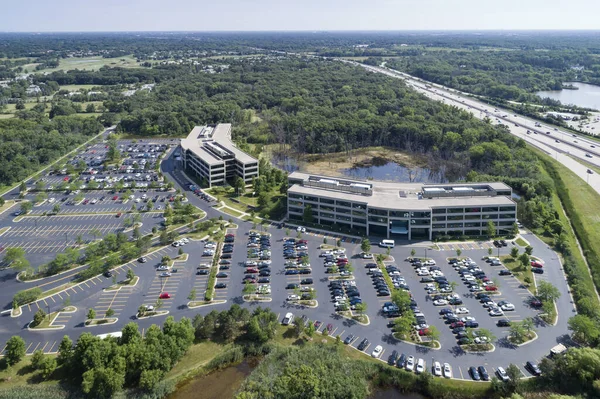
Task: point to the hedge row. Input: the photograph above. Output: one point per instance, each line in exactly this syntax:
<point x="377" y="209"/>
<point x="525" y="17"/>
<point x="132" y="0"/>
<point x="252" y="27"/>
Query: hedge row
<point x="581" y="285"/>
<point x="27" y="296"/>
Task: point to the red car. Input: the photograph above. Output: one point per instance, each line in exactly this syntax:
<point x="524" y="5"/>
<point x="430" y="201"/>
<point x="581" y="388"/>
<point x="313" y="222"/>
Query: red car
<point x="66" y="178"/>
<point x="329" y="327"/>
<point x="342" y="261"/>
<point x="251" y="270"/>
<point x="164" y="295"/>
<point x="491" y="288"/>
<point x="116" y="197"/>
<point x="85" y="202"/>
<point x="119" y="214"/>
<point x="535" y="263"/>
<point x="229" y="235"/>
<point x="485" y="279"/>
<point x="423" y="331"/>
<point x="302" y="242"/>
<point x="457" y="324"/>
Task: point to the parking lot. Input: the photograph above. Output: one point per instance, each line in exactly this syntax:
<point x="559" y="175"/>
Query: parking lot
<point x="301" y="253"/>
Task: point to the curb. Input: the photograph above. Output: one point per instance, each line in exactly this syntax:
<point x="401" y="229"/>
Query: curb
<point x="213" y="302"/>
<point x="111" y="320"/>
<point x="159" y="313"/>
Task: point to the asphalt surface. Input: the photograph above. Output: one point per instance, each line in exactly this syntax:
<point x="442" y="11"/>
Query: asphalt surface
<point x="126" y="301"/>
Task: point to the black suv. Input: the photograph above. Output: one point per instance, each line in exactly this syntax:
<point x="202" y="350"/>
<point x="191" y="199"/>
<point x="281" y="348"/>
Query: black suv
<point x="363" y="344"/>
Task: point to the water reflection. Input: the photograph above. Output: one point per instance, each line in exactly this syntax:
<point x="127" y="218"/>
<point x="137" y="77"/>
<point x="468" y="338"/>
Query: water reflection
<point x="587" y="96"/>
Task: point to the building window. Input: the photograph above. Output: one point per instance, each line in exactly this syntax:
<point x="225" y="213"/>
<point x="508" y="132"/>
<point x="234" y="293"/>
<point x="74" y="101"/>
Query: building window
<point x="296" y="210"/>
<point x="359" y="213"/>
<point x="456" y="217"/>
<point x="438" y="218"/>
<point x="438" y="226"/>
<point x="455" y="210"/>
<point x="472" y="210"/>
<point x="297" y="203"/>
<point x="378" y="219"/>
<point x="327" y="208"/>
<point x="436" y="211"/>
<point x="473" y="217"/>
<point x="342" y="210"/>
<point x="295" y="196"/>
<point x="490" y="209"/>
<point x="310" y="198"/>
<point x="327" y="201"/>
<point x="379" y="212"/>
<point x="327" y="215"/>
<point x="507" y="209"/>
<point x="361" y="221"/>
<point x="344" y="218"/>
<point x="344" y="203"/>
<point x="359" y="206"/>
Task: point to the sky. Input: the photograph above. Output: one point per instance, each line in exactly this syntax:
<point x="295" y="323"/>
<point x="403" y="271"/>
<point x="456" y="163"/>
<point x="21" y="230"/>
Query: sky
<point x="299" y="15"/>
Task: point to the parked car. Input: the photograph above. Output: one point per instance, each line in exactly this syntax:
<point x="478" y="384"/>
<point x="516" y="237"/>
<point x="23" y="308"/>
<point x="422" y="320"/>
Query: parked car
<point x="483" y="373"/>
<point x="502" y="375"/>
<point x="474" y="373"/>
<point x="533" y="368"/>
<point x="164" y="295"/>
<point x="288" y="319"/>
<point x="377" y="351"/>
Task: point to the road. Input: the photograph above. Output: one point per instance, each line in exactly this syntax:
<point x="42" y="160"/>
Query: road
<point x="564" y="151"/>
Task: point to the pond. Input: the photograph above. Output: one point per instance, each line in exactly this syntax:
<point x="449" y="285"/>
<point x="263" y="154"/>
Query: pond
<point x="587" y="96"/>
<point x="378" y="169"/>
<point x="218" y="385"/>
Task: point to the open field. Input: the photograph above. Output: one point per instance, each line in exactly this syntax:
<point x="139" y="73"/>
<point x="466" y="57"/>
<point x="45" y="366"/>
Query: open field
<point x="89" y="64"/>
<point x="78" y="87"/>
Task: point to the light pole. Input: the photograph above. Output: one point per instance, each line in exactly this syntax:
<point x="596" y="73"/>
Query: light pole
<point x="426" y="253"/>
<point x="66" y="238"/>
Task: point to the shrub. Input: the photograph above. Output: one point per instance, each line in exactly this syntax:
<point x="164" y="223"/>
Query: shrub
<point x="26" y="296"/>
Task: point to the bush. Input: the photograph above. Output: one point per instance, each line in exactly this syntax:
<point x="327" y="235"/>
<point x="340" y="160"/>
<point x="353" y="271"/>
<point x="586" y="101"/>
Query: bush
<point x="27" y="296"/>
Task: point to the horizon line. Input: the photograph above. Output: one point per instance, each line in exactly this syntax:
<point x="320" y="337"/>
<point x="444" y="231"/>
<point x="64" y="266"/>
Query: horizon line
<point x="502" y="30"/>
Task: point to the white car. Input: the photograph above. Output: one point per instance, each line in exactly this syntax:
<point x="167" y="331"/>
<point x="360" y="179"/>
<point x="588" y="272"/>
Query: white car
<point x="301" y="229"/>
<point x="429" y="262"/>
<point x="462" y="310"/>
<point x="502" y="374"/>
<point x="292" y="298"/>
<point x="288" y="319"/>
<point x="447" y="371"/>
<point x="496" y="312"/>
<point x="420" y="366"/>
<point x="481" y="340"/>
<point x="440" y="302"/>
<point x="468" y="318"/>
<point x="367" y="256"/>
<point x="423" y="273"/>
<point x="429" y="286"/>
<point x="507" y="307"/>
<point x="437" y="369"/>
<point x="162" y="267"/>
<point x="377" y="351"/>
<point x="165" y="274"/>
<point x="410" y="363"/>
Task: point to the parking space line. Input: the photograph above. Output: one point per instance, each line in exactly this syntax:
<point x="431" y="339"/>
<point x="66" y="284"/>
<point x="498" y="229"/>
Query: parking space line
<point x="27" y="350"/>
<point x="50" y="350"/>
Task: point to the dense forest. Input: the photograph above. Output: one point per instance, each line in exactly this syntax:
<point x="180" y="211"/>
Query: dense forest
<point x="27" y="145"/>
<point x="509" y="74"/>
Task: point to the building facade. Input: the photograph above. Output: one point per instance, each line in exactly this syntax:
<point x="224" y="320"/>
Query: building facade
<point x="406" y="211"/>
<point x="209" y="153"/>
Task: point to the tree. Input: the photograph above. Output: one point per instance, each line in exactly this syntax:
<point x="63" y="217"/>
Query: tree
<point x="458" y="252"/>
<point x="517" y="332"/>
<point x="433" y="333"/>
<point x="413" y="253"/>
<point x="65" y="350"/>
<point x="310" y="329"/>
<point x="514" y="230"/>
<point x="490" y="251"/>
<point x="547" y="292"/>
<point x="136" y="234"/>
<point x="158" y="304"/>
<point x="529" y="250"/>
<point x="109" y="312"/>
<point x="491" y="229"/>
<point x="404" y="325"/>
<point x="585" y="330"/>
<point x="365" y="245"/>
<point x="37" y="359"/>
<point x="514" y="252"/>
<point x="164" y="238"/>
<point x="38" y="317"/>
<point x="56" y="209"/>
<point x="239" y="185"/>
<point x="22" y="187"/>
<point x="130" y="274"/>
<point x="91" y="314"/>
<point x="95" y="233"/>
<point x="307" y="214"/>
<point x="524" y="259"/>
<point x="15" y="257"/>
<point x="26" y="207"/>
<point x="361" y="308"/>
<point x="48" y="367"/>
<point x="15" y="350"/>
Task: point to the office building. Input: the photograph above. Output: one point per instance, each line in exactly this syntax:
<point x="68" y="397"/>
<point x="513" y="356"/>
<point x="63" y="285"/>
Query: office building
<point x="209" y="153"/>
<point x="409" y="211"/>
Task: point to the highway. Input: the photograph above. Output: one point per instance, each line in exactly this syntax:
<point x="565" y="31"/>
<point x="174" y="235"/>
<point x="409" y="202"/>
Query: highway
<point x="562" y="146"/>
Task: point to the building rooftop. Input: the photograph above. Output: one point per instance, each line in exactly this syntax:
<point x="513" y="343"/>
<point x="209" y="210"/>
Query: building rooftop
<point x="414" y="196"/>
<point x="211" y="142"/>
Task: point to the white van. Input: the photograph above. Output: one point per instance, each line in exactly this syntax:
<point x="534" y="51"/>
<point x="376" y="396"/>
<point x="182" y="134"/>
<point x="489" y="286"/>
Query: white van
<point x="387" y="244"/>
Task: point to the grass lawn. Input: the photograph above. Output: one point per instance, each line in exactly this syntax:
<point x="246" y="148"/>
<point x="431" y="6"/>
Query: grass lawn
<point x="231" y="212"/>
<point x="519" y="271"/>
<point x="21" y="374"/>
<point x="124" y="283"/>
<point x="46" y="323"/>
<point x="198" y="355"/>
<point x="521" y="242"/>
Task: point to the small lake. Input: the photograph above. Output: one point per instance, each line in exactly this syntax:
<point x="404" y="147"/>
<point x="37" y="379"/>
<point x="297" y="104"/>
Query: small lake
<point x="391" y="171"/>
<point x="385" y="171"/>
<point x="587" y="96"/>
